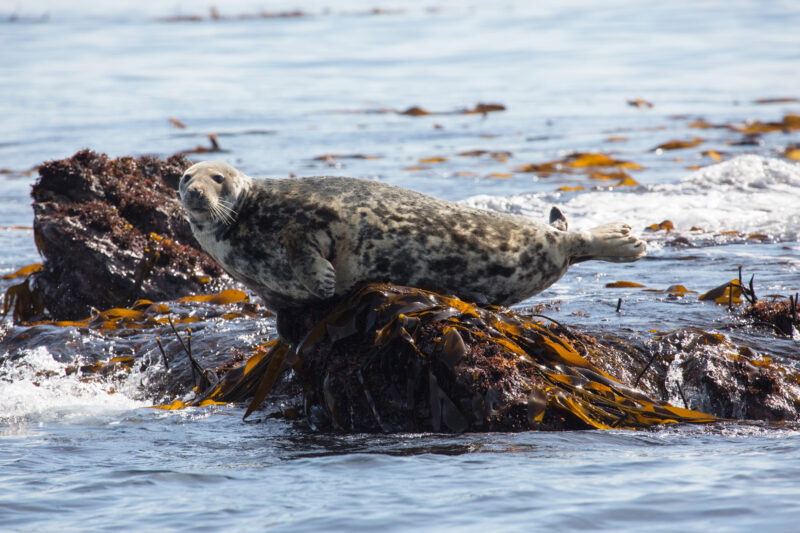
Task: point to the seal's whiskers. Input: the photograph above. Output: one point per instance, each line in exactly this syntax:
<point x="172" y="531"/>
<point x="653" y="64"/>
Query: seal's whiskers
<point x="224" y="212"/>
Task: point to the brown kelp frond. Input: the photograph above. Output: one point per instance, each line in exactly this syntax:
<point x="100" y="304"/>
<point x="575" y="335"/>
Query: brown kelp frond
<point x="775" y="312"/>
<point x="252" y="380"/>
<point x="23" y="302"/>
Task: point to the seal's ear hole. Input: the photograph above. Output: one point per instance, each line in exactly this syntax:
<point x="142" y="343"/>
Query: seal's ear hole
<point x="219" y="178"/>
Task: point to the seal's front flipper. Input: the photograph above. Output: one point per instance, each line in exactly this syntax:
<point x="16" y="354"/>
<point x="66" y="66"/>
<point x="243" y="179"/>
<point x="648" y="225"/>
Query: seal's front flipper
<point x="557" y="219"/>
<point x="308" y="263"/>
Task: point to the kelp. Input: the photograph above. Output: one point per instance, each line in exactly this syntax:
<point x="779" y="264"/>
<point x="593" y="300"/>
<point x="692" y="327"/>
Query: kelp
<point x="678" y="144"/>
<point x="22" y="301"/>
<point x="24" y="271"/>
<point x="418" y="111"/>
<point x="391" y="358"/>
<point x="199" y="149"/>
<point x="584" y="162"/>
<point x="214" y="15"/>
<point x="145" y="314"/>
<point x="787" y="124"/>
<point x="665" y="225"/>
<point x="479" y="108"/>
<point x="640" y="102"/>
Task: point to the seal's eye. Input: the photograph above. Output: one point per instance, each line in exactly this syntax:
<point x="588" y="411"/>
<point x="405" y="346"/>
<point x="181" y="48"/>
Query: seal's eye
<point x="219" y="178"/>
<point x="184" y="179"/>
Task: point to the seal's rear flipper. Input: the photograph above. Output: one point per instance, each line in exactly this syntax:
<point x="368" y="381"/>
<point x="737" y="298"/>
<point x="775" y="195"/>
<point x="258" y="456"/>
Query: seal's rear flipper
<point x="557" y="219"/>
<point x="611" y="242"/>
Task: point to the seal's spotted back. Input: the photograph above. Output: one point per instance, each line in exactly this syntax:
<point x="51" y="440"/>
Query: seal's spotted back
<point x="303" y="240"/>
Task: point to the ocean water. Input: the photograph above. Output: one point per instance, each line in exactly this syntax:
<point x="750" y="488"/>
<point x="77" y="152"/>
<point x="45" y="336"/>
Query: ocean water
<point x="279" y="92"/>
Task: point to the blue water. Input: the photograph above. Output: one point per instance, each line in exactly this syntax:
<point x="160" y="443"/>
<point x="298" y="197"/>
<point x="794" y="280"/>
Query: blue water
<point x="151" y="472"/>
<point x="78" y="456"/>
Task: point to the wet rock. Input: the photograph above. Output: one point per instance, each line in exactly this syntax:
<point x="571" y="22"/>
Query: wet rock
<point x="391" y="358"/>
<point x="704" y="371"/>
<point x="111" y="231"/>
<point x="717" y="376"/>
<point x="782" y="316"/>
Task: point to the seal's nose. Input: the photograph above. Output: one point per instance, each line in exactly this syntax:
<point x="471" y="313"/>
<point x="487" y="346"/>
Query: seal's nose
<point x="194" y="198"/>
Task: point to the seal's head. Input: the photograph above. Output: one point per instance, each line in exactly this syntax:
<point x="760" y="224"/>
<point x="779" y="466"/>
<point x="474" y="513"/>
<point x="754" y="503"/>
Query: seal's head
<point x="209" y="192"/>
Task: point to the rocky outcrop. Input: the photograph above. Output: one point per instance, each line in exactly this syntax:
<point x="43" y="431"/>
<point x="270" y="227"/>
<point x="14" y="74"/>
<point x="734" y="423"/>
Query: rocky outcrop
<point x="111" y="231"/>
<point x="384" y="358"/>
<point x="390" y="358"/>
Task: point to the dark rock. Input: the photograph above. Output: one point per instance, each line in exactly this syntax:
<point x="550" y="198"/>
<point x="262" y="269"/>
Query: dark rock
<point x="112" y="231"/>
<point x="701" y="370"/>
<point x="783" y="316"/>
<point x="391" y="358"/>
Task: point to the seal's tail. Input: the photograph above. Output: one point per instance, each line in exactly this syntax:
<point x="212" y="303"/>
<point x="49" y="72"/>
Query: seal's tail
<point x="610" y="242"/>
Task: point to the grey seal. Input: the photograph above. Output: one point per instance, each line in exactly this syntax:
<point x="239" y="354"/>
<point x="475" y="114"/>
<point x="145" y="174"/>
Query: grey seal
<point x="301" y="241"/>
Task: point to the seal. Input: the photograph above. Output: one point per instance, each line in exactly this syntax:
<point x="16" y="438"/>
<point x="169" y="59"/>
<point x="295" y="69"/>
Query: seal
<point x="301" y="241"/>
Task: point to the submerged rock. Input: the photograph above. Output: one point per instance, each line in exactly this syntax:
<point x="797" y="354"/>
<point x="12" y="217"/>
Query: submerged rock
<point x="112" y="231"/>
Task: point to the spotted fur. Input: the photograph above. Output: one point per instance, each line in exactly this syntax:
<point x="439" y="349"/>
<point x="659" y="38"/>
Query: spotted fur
<point x="299" y="241"/>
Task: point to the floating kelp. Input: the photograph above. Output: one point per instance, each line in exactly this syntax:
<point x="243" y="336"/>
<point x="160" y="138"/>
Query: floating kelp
<point x="480" y="108"/>
<point x="391" y="358"/>
<point x="500" y="155"/>
<point x="417" y="111"/>
<point x="24" y="271"/>
<point x="640" y="103"/>
<point x="665" y="225"/>
<point x="328" y="158"/>
<point x="678" y="145"/>
<point x="624" y="285"/>
<point x="787" y="124"/>
<point x="214" y="148"/>
<point x="778" y="100"/>
<point x="580" y="162"/>
<point x="214" y="15"/>
<point x="727" y="294"/>
<point x="177" y="123"/>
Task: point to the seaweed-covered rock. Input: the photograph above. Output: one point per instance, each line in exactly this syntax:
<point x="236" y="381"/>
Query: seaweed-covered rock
<point x="112" y="231"/>
<point x="783" y="316"/>
<point x="391" y="358"/>
<point x="701" y="370"/>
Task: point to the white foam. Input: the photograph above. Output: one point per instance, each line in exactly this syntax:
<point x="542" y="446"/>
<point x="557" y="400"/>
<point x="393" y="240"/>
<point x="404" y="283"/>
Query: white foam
<point x="750" y="194"/>
<point x="36" y="388"/>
